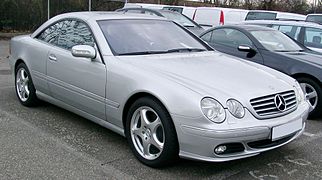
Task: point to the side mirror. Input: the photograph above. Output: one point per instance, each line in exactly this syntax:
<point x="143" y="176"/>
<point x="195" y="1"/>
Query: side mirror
<point x="84" y="51"/>
<point x="245" y="48"/>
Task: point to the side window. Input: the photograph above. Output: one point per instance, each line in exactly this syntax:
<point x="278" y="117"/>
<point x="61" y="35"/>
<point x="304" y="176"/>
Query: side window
<point x="74" y="33"/>
<point x="206" y="37"/>
<point x="274" y="26"/>
<point x="67" y="34"/>
<point x="50" y="35"/>
<point x="313" y="37"/>
<point x="137" y="11"/>
<point x="230" y="37"/>
<point x="292" y="31"/>
<point x="150" y="13"/>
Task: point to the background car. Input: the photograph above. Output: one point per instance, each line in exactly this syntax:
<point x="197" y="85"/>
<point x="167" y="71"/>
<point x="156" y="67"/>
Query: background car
<point x="151" y="80"/>
<point x="171" y="15"/>
<point x="273" y="15"/>
<point x="316" y="18"/>
<point x="274" y="49"/>
<point x="306" y="33"/>
<point x="188" y="11"/>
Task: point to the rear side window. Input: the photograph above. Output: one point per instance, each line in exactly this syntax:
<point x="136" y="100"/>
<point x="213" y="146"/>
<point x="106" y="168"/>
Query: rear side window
<point x="150" y="13"/>
<point x="133" y="11"/>
<point x="313" y="37"/>
<point x="314" y="18"/>
<point x="206" y="37"/>
<point x="261" y="16"/>
<point x="291" y="31"/>
<point x="176" y="9"/>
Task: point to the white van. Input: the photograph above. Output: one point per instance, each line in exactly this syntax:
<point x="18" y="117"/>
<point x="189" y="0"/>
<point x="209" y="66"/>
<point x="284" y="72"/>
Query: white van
<point x="273" y="15"/>
<point x="215" y="16"/>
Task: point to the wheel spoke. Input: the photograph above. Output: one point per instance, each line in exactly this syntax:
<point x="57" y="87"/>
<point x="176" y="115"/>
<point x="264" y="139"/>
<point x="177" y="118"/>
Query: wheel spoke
<point x="154" y="125"/>
<point x="155" y="142"/>
<point x="26" y="89"/>
<point x="137" y="132"/>
<point x="312" y="95"/>
<point x="22" y="74"/>
<point x="20" y="88"/>
<point x="26" y="80"/>
<point x="18" y="80"/>
<point x="23" y="94"/>
<point x="144" y="119"/>
<point x="146" y="147"/>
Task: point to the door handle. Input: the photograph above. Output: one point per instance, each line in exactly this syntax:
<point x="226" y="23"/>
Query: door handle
<point x="52" y="57"/>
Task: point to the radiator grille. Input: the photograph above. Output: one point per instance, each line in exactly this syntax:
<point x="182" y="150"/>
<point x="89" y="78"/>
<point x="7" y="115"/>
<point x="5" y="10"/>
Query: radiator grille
<point x="269" y="105"/>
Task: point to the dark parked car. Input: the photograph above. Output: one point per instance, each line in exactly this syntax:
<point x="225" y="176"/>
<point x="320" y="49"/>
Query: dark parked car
<point x="171" y="15"/>
<point x="307" y="33"/>
<point x="274" y="49"/>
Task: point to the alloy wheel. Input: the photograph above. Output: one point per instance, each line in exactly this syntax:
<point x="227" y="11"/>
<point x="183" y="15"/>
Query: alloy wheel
<point x="22" y="81"/>
<point x="147" y="133"/>
<point x="310" y="94"/>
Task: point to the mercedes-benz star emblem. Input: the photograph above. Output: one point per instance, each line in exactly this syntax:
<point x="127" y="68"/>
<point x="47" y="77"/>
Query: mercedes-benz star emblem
<point x="280" y="102"/>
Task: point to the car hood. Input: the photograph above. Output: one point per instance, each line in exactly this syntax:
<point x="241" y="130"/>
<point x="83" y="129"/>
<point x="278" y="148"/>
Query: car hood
<point x="312" y="58"/>
<point x="214" y="74"/>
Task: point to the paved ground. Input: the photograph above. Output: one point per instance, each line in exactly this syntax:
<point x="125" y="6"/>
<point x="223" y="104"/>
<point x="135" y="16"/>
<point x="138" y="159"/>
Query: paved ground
<point x="47" y="142"/>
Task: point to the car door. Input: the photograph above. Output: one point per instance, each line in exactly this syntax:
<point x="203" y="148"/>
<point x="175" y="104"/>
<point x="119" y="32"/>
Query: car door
<point x="78" y="82"/>
<point x="227" y="40"/>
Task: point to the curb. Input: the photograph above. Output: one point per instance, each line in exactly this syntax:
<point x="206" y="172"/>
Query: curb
<point x="7" y="36"/>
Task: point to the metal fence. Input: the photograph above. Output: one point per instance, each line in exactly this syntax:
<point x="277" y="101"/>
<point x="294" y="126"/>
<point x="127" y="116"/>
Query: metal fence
<point x="27" y="15"/>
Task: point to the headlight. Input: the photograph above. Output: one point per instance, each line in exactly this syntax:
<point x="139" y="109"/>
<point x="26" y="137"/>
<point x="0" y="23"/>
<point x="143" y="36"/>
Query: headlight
<point x="236" y="108"/>
<point x="299" y="92"/>
<point x="213" y="110"/>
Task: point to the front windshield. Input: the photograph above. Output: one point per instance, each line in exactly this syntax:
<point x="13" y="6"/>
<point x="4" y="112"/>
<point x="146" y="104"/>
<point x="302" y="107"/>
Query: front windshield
<point x="275" y="41"/>
<point x="178" y="18"/>
<point x="133" y="36"/>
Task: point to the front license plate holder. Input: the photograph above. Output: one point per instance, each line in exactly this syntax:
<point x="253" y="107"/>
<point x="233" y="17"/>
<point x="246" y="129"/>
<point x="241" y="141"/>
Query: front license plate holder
<point x="281" y="131"/>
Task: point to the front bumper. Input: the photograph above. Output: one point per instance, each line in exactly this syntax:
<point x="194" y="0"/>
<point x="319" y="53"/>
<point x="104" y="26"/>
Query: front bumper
<point x="252" y="134"/>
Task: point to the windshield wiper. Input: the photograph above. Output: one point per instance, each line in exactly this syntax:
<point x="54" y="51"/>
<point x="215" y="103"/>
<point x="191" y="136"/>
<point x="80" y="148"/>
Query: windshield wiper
<point x="300" y="50"/>
<point x="185" y="50"/>
<point x="143" y="53"/>
<point x="163" y="52"/>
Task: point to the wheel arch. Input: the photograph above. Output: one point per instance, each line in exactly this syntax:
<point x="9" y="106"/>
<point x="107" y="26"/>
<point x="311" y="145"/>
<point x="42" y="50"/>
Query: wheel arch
<point x="135" y="97"/>
<point x="304" y="75"/>
<point x="19" y="61"/>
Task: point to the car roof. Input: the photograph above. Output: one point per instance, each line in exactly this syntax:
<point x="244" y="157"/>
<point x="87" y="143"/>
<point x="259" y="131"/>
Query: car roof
<point x="149" y="9"/>
<point x="104" y="15"/>
<point x="247" y="27"/>
<point x="293" y="23"/>
<point x="320" y="14"/>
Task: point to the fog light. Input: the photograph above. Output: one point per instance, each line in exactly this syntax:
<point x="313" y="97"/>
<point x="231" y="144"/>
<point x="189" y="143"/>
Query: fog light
<point x="220" y="149"/>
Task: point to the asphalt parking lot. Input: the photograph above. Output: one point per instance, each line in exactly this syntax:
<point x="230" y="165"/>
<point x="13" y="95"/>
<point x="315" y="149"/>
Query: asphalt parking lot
<point x="47" y="142"/>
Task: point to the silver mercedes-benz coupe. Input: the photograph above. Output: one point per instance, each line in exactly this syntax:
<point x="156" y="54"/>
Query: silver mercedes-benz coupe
<point x="154" y="82"/>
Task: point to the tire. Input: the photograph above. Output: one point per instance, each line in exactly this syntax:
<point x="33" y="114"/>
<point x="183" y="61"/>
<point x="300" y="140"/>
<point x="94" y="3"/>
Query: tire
<point x="157" y="133"/>
<point x="24" y="87"/>
<point x="308" y="86"/>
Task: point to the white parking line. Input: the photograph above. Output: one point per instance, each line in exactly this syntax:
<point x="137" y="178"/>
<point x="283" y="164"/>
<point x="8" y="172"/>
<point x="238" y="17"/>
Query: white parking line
<point x="308" y="134"/>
